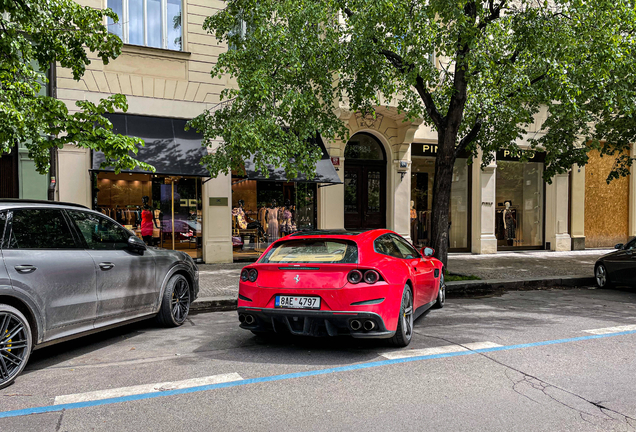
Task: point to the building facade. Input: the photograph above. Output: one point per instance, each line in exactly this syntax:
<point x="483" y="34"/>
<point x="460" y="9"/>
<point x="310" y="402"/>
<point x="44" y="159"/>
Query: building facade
<point x="381" y="177"/>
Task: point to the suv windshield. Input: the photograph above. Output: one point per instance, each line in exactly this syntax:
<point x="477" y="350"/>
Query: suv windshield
<point x="313" y="251"/>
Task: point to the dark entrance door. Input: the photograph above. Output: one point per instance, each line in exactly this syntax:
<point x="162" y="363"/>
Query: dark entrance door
<point x="9" y="175"/>
<point x="365" y="183"/>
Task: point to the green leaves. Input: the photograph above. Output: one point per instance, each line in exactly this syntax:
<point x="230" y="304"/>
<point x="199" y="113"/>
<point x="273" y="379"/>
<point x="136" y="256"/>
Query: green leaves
<point x="33" y="35"/>
<point x="566" y="66"/>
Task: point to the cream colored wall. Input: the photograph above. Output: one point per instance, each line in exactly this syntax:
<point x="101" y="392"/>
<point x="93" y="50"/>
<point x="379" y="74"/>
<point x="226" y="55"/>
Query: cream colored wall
<point x="556" y="213"/>
<point x="577" y="208"/>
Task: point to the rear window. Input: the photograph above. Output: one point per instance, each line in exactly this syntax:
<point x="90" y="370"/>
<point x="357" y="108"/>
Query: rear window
<point x="313" y="251"/>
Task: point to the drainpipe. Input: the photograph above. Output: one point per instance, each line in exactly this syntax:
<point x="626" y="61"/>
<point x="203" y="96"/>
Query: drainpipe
<point x="52" y="92"/>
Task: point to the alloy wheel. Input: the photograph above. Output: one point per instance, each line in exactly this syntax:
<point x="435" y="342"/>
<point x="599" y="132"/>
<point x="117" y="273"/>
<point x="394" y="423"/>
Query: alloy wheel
<point x="14" y="346"/>
<point x="180" y="301"/>
<point x="407" y="316"/>
<point x="601" y="276"/>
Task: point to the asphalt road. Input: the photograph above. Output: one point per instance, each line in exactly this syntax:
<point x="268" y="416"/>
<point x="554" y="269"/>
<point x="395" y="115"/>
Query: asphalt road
<point x="553" y="360"/>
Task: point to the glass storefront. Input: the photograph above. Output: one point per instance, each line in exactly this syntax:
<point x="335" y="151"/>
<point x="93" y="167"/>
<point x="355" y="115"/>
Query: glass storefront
<point x="520" y="201"/>
<point x="164" y="211"/>
<point x="422" y="176"/>
<point x="264" y="211"/>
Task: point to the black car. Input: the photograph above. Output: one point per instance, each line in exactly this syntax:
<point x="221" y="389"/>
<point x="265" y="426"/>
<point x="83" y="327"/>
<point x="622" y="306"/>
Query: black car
<point x="618" y="267"/>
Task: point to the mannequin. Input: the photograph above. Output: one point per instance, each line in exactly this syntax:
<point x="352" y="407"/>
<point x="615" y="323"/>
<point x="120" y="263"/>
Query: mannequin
<point x="148" y="222"/>
<point x="288" y="226"/>
<point x="413" y="223"/>
<point x="510" y="224"/>
<point x="239" y="213"/>
<point x="272" y="221"/>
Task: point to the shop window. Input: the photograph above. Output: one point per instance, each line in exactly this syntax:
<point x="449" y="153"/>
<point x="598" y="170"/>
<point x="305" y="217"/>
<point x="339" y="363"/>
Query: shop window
<point x="519" y="213"/>
<point x="422" y="176"/>
<point x="264" y="211"/>
<point x="153" y="23"/>
<point x="164" y="211"/>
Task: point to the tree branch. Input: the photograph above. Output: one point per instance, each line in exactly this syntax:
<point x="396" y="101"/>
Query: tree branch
<point x="495" y="13"/>
<point x="470" y="137"/>
<point x="429" y="103"/>
<point x="532" y="82"/>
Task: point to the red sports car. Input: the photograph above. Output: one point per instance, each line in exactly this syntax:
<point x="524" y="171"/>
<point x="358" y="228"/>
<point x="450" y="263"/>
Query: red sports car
<point x="367" y="284"/>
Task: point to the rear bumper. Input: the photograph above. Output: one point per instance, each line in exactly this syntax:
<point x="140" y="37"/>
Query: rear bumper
<point x="314" y="323"/>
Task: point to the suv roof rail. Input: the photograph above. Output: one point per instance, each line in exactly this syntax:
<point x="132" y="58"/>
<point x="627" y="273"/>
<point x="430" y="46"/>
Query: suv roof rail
<point x="34" y="201"/>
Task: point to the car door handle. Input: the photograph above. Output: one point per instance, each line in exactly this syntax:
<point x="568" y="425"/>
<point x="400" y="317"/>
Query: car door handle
<point x="106" y="265"/>
<point x="26" y="268"/>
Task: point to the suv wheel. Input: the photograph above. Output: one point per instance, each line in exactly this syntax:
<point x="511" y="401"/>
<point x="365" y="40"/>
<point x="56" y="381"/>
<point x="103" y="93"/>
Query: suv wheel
<point x="15" y="344"/>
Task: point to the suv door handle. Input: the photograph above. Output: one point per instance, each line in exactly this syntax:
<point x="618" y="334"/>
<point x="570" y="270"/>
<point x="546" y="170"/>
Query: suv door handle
<point x="26" y="268"/>
<point x="106" y="265"/>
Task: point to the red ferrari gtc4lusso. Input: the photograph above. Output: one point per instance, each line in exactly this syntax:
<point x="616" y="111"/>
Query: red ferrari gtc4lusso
<point x="367" y="284"/>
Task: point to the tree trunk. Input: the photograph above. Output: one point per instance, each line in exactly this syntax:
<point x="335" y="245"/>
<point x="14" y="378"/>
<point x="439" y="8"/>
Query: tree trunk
<point x="442" y="192"/>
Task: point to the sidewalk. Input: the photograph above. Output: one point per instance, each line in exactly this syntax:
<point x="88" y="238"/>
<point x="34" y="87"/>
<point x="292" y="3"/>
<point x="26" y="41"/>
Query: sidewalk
<point x="219" y="282"/>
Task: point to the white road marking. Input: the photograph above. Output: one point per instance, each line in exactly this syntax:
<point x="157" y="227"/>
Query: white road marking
<point x="608" y="330"/>
<point x="146" y="388"/>
<point x="439" y="350"/>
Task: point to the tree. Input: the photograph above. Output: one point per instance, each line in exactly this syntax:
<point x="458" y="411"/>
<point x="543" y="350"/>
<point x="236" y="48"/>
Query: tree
<point x="33" y="35"/>
<point x="499" y="62"/>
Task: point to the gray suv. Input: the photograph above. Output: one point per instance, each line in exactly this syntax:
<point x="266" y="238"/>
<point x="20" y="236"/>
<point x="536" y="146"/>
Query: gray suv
<point x="66" y="271"/>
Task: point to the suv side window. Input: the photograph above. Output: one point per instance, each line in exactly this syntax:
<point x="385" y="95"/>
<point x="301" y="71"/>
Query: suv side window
<point x="38" y="229"/>
<point x="407" y="251"/>
<point x="385" y="245"/>
<point x="631" y="245"/>
<point x="3" y="221"/>
<point x="99" y="232"/>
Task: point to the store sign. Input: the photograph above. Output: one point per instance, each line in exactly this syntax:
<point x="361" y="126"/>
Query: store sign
<point x="424" y="149"/>
<point x="335" y="161"/>
<point x="430" y="150"/>
<point x="511" y="155"/>
<point x="222" y="201"/>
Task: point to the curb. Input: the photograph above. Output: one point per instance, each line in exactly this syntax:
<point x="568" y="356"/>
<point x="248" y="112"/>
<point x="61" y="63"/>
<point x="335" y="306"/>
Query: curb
<point x="478" y="288"/>
<point x="460" y="289"/>
<point x="213" y="304"/>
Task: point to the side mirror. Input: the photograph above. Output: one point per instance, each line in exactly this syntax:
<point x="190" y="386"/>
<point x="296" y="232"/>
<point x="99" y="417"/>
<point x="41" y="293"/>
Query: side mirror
<point x="619" y="246"/>
<point x="427" y="251"/>
<point x="136" y="244"/>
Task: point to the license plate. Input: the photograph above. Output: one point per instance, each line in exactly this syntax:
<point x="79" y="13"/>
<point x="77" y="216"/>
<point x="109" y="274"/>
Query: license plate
<point x="293" y="302"/>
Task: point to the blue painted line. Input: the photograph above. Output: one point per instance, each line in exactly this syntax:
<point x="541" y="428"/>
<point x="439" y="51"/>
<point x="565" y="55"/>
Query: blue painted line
<point x="76" y="405"/>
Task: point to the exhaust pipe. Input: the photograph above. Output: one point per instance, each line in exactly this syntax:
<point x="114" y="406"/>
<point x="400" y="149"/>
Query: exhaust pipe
<point x="241" y="318"/>
<point x="355" y="325"/>
<point x="369" y="325"/>
<point x="249" y="319"/>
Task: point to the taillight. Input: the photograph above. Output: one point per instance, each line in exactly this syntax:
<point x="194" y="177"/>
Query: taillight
<point x="252" y="275"/>
<point x="245" y="275"/>
<point x="354" y="276"/>
<point x="371" y="276"/>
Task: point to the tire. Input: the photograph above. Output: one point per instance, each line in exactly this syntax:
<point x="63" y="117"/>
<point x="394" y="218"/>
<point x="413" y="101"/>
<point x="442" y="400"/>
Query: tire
<point x="404" y="331"/>
<point x="441" y="293"/>
<point x="175" y="304"/>
<point x="602" y="276"/>
<point x="15" y="344"/>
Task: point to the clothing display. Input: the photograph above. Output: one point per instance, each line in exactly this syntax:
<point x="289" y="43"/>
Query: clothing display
<point x="506" y="230"/>
<point x="287" y="226"/>
<point x="272" y="223"/>
<point x="147" y="225"/>
<point x="511" y="225"/>
<point x="239" y="215"/>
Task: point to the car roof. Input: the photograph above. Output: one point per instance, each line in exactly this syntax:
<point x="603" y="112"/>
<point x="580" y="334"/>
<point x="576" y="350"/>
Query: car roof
<point x="337" y="234"/>
<point x="8" y="203"/>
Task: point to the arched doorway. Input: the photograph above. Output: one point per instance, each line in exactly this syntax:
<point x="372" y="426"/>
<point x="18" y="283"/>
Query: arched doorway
<point x="364" y="183"/>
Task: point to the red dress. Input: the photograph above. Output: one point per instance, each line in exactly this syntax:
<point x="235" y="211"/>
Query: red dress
<point x="146" y="223"/>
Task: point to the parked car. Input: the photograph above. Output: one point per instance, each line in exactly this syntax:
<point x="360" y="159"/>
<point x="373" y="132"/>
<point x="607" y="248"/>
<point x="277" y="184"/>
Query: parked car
<point x="67" y="271"/>
<point x="367" y="284"/>
<point x="618" y="267"/>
